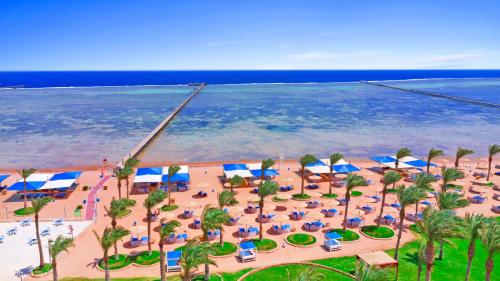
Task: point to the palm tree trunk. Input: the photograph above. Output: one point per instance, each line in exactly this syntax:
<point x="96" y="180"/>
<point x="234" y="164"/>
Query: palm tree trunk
<point x="127" y="182"/>
<point x="489" y="266"/>
<point x="106" y="266"/>
<point x="261" y="207"/>
<point x="419" y="270"/>
<point x="148" y="218"/>
<point x="400" y="231"/>
<point x="331" y="179"/>
<point x="54" y="270"/>
<point x="168" y="191"/>
<point x="428" y="165"/>
<point x="347" y="199"/>
<point x="25" y="195"/>
<point x="119" y="189"/>
<point x="39" y="241"/>
<point x="490" y="159"/>
<point x="382" y="206"/>
<point x="162" y="261"/>
<point x="416" y="211"/>
<point x="456" y="162"/>
<point x="429" y="260"/>
<point x="302" y="178"/>
<point x="115" y="244"/>
<point x="221" y="238"/>
<point x="207" y="272"/>
<point x="441" y="244"/>
<point x="470" y="255"/>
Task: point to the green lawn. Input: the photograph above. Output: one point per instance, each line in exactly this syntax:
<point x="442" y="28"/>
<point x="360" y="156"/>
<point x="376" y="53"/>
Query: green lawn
<point x="302" y="239"/>
<point x="265" y="244"/>
<point x="201" y="278"/>
<point x="167" y="208"/>
<point x="301" y="196"/>
<point x="279" y="273"/>
<point x="377" y="231"/>
<point x="118" y="263"/>
<point x="276" y="199"/>
<point x="347" y="235"/>
<point x="356" y="193"/>
<point x="144" y="258"/>
<point x="46" y="268"/>
<point x="124" y="213"/>
<point x="227" y="249"/>
<point x="333" y="195"/>
<point x="24" y="211"/>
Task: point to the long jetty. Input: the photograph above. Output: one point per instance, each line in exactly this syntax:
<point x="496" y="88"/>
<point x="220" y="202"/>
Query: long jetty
<point x="437" y="95"/>
<point x="139" y="148"/>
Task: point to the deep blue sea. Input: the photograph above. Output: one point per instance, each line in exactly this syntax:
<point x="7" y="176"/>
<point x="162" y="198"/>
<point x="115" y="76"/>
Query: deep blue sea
<point x="35" y="79"/>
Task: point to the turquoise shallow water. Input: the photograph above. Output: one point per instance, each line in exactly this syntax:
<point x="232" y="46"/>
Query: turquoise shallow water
<point x="255" y="121"/>
<point x="54" y="127"/>
<point x="57" y="127"/>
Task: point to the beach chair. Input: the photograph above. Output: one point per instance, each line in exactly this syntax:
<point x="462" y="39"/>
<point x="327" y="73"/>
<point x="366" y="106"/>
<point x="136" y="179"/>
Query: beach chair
<point x="413" y="217"/>
<point x="181" y="237"/>
<point x="388" y="220"/>
<point x="354" y="222"/>
<point x="247" y="251"/>
<point x="253" y="231"/>
<point x="478" y="199"/>
<point x="242" y="232"/>
<point x="313" y="204"/>
<point x="233" y="221"/>
<point x="26" y="222"/>
<point x="286" y="228"/>
<point x="188" y="214"/>
<point x="332" y="241"/>
<point x="276" y="229"/>
<point x="197" y="224"/>
<point x="173" y="261"/>
<point x="12" y="231"/>
<point x="496" y="209"/>
<point x="144" y="241"/>
<point x="171" y="238"/>
<point x="368" y="209"/>
<point x="2" y="239"/>
<point x="396" y="205"/>
<point x="45" y="232"/>
<point x="134" y="241"/>
<point x="58" y="222"/>
<point x="32" y="242"/>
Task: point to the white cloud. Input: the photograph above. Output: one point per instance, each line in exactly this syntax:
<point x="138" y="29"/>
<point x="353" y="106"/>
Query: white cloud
<point x="449" y="60"/>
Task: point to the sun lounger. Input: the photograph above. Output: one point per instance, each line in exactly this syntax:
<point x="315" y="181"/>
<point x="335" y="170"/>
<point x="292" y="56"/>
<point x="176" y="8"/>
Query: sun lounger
<point x="45" y="232"/>
<point x="413" y="218"/>
<point x="181" y="237"/>
<point x="368" y="209"/>
<point x="188" y="214"/>
<point x="32" y="241"/>
<point x="247" y="251"/>
<point x="329" y="213"/>
<point x="144" y="241"/>
<point x="313" y="204"/>
<point x="496" y="209"/>
<point x="12" y="231"/>
<point x="477" y="199"/>
<point x="134" y="241"/>
<point x="332" y="242"/>
<point x="202" y="194"/>
<point x="58" y="222"/>
<point x="173" y="261"/>
<point x="388" y="220"/>
<point x="286" y="228"/>
<point x="396" y="205"/>
<point x="2" y="239"/>
<point x="354" y="222"/>
<point x="26" y="222"/>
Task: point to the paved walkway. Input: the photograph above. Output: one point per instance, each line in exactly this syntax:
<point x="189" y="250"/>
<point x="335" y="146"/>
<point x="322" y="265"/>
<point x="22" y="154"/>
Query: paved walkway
<point x="89" y="215"/>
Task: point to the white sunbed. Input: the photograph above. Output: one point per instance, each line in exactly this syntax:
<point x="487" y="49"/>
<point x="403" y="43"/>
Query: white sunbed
<point x="332" y="244"/>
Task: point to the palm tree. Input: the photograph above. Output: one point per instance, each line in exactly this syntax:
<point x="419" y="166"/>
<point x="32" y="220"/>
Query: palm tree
<point x="130" y="164"/>
<point x="266" y="188"/>
<point x="334" y="158"/>
<point x="106" y="241"/>
<point x="406" y="196"/>
<point x="391" y="177"/>
<point x="436" y="226"/>
<point x="121" y="174"/>
<point x="449" y="201"/>
<point x="115" y="210"/>
<point x="25" y="173"/>
<point x="490" y="237"/>
<point x="154" y="198"/>
<point x="195" y="254"/>
<point x="420" y="256"/>
<point x="305" y="160"/>
<point x="461" y="152"/>
<point x="492" y="150"/>
<point x="449" y="175"/>
<point x="166" y="228"/>
<point x="266" y="164"/>
<point x="365" y="272"/>
<point x="226" y="198"/>
<point x="213" y="218"/>
<point x="433" y="153"/>
<point x="352" y="181"/>
<point x="61" y="244"/>
<point x="403" y="152"/>
<point x="472" y="224"/>
<point x="236" y="181"/>
<point x="172" y="170"/>
<point x="37" y="205"/>
<point x="423" y="181"/>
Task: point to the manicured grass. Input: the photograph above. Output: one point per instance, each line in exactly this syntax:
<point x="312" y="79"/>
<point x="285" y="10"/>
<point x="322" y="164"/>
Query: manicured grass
<point x="356" y="193"/>
<point x="24" y="211"/>
<point x="124" y="213"/>
<point x="46" y="268"/>
<point x="326" y="195"/>
<point x="301" y="196"/>
<point x="167" y="208"/>
<point x="347" y="235"/>
<point x="201" y="277"/>
<point x="114" y="264"/>
<point x="227" y="249"/>
<point x="276" y="199"/>
<point x="377" y="231"/>
<point x="265" y="244"/>
<point x="392" y="190"/>
<point x="279" y="273"/>
<point x="234" y="276"/>
<point x="173" y="278"/>
<point x="302" y="239"/>
<point x="414" y="227"/>
<point x="144" y="258"/>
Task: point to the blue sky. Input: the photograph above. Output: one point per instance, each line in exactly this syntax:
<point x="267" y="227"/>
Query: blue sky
<point x="185" y="34"/>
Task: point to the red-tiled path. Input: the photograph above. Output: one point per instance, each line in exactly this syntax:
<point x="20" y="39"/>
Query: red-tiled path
<point x="89" y="215"/>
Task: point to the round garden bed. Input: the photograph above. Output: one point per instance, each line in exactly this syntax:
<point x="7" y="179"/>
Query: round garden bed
<point x="227" y="249"/>
<point x="144" y="258"/>
<point x="330" y="196"/>
<point x="120" y="262"/>
<point x="347" y="235"/>
<point x="124" y="213"/>
<point x="171" y="207"/>
<point x="276" y="199"/>
<point x="356" y="193"/>
<point x="295" y="270"/>
<point x="377" y="232"/>
<point x="299" y="196"/>
<point x="301" y="239"/>
<point x="41" y="271"/>
<point x="265" y="245"/>
<point x="24" y="211"/>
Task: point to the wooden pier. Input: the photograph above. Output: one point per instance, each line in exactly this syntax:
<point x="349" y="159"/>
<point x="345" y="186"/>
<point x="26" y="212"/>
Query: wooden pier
<point x="139" y="148"/>
<point x="437" y="95"/>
